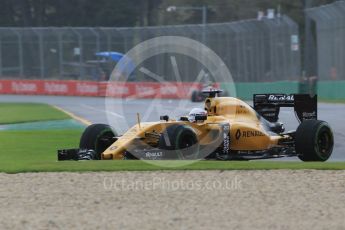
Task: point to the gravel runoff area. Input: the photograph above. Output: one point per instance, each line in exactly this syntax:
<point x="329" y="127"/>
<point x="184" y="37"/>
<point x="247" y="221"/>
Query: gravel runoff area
<point x="278" y="199"/>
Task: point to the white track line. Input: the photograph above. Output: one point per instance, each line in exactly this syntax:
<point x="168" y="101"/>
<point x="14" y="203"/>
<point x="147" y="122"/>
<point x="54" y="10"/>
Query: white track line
<point x="101" y="110"/>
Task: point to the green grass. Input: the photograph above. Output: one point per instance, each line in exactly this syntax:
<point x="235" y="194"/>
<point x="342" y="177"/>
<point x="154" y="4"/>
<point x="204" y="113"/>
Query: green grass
<point x="28" y="112"/>
<point x="135" y="165"/>
<point x="21" y="150"/>
<point x="35" y="151"/>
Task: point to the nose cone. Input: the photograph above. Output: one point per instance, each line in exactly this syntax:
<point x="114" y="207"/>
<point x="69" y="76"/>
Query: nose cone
<point x="113" y="153"/>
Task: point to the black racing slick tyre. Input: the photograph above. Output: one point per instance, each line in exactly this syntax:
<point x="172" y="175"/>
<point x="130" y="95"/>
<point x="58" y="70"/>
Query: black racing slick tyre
<point x="197" y="96"/>
<point x="314" y="141"/>
<point x="97" y="137"/>
<point x="181" y="141"/>
<point x="194" y="96"/>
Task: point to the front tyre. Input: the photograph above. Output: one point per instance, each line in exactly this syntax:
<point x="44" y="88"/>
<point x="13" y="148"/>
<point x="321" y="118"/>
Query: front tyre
<point x="97" y="137"/>
<point x="181" y="140"/>
<point x="314" y="141"/>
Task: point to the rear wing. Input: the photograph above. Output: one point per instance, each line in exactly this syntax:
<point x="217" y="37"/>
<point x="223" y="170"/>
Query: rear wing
<point x="268" y="105"/>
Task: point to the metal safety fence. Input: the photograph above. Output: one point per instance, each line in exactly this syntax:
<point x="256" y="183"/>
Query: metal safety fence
<point x="330" y="33"/>
<point x="254" y="50"/>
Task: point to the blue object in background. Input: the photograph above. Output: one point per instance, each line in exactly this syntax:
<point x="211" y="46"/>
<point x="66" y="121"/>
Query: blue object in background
<point x="115" y="56"/>
<point x="128" y="66"/>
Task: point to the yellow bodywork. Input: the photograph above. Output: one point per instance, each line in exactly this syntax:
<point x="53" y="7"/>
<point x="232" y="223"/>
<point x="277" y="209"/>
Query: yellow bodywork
<point x="247" y="132"/>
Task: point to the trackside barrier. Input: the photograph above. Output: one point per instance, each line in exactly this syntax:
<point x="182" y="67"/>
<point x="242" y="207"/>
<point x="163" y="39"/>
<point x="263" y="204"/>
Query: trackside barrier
<point x="36" y="87"/>
<point x="331" y="90"/>
<point x="327" y="90"/>
<point x="173" y="90"/>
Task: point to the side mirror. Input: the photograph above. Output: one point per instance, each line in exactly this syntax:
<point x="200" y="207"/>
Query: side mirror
<point x="164" y="118"/>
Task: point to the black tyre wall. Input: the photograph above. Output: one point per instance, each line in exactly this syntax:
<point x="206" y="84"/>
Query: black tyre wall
<point x="183" y="142"/>
<point x="314" y="140"/>
<point x="94" y="137"/>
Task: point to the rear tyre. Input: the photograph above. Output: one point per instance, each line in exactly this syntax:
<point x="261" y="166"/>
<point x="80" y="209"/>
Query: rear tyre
<point x="182" y="142"/>
<point x="197" y="96"/>
<point x="97" y="137"/>
<point x="314" y="141"/>
<point x="194" y="96"/>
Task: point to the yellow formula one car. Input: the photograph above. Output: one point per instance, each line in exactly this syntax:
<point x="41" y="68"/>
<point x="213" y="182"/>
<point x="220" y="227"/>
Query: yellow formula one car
<point x="226" y="129"/>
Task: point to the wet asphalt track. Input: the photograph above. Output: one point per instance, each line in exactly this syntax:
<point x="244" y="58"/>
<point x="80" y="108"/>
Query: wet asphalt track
<point x="94" y="110"/>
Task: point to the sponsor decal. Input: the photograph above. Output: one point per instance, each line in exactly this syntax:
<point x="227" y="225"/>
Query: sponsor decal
<point x="252" y="133"/>
<point x="241" y="111"/>
<point x="238" y="134"/>
<point x="168" y="89"/>
<point x="248" y="134"/>
<point x="118" y="89"/>
<point x="87" y="88"/>
<point x="24" y="87"/>
<point x="312" y="114"/>
<point x="270" y="114"/>
<point x="52" y="87"/>
<point x="187" y="89"/>
<point x="268" y="110"/>
<point x="285" y="98"/>
<point x="144" y="90"/>
<point x="153" y="154"/>
<point x="226" y="138"/>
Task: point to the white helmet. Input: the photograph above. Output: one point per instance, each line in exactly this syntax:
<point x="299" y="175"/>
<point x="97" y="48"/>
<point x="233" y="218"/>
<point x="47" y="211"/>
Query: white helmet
<point x="196" y="112"/>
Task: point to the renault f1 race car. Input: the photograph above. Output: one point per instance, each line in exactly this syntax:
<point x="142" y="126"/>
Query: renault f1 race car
<point x="226" y="129"/>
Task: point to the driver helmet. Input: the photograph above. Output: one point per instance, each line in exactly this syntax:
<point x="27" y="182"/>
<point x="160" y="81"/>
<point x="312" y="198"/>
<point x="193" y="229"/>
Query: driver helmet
<point x="196" y="112"/>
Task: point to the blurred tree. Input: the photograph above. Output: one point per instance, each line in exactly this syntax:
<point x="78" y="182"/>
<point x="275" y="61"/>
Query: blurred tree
<point x="69" y="13"/>
<point x="232" y="10"/>
<point x="138" y="12"/>
<point x="6" y="13"/>
<point x="148" y="12"/>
